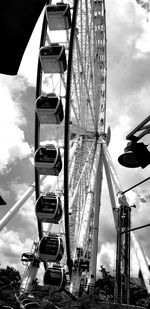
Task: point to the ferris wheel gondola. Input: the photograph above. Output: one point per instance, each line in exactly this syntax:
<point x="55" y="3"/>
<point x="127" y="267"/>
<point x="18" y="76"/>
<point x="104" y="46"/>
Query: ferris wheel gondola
<point x="53" y="58"/>
<point x="49" y="109"/>
<point x="48" y="160"/>
<point x="55" y="277"/>
<point x="27" y="257"/>
<point x="48" y="208"/>
<point x="51" y="248"/>
<point x="58" y="16"/>
<point x="27" y="303"/>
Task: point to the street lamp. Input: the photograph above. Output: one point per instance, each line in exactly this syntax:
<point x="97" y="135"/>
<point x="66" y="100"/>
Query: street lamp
<point x="136" y="154"/>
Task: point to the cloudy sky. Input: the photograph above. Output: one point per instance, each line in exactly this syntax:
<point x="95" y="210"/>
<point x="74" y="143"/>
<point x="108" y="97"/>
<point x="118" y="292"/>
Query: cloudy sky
<point x="128" y="92"/>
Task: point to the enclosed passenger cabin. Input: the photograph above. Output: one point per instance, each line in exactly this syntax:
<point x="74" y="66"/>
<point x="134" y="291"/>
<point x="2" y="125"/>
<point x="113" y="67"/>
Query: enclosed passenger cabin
<point x="98" y="20"/>
<point x="49" y="109"/>
<point x="55" y="277"/>
<point x="102" y="78"/>
<point x="99" y="34"/>
<point x="98" y="5"/>
<point x="58" y="16"/>
<point x="102" y="65"/>
<point x="79" y="252"/>
<point x="29" y="304"/>
<point x="51" y="248"/>
<point x="87" y="255"/>
<point x="84" y="265"/>
<point x="53" y="58"/>
<point x="48" y="208"/>
<point x="27" y="257"/>
<point x="47" y="160"/>
<point x="75" y="265"/>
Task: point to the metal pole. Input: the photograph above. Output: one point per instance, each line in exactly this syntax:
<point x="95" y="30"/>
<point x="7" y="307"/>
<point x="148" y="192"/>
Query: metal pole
<point x="136" y="228"/>
<point x="115" y="214"/>
<point x="98" y="188"/>
<point x="118" y="277"/>
<point x="89" y="200"/>
<point x="111" y="190"/>
<point x="126" y="254"/>
<point x="139" y="183"/>
<point x="123" y="256"/>
<point x="142" y="262"/>
<point x="139" y="127"/>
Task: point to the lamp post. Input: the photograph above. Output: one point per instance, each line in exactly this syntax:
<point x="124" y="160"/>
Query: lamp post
<point x="122" y="279"/>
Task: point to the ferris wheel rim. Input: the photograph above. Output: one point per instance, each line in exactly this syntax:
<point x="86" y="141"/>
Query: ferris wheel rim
<point x="66" y="137"/>
<point x="36" y="132"/>
<point x="80" y="129"/>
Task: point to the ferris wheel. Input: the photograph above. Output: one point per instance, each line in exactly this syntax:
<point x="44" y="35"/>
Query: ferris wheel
<point x="71" y="102"/>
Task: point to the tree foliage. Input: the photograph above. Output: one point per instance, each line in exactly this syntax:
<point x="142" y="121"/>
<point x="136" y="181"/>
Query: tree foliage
<point x="9" y="285"/>
<point x="49" y="298"/>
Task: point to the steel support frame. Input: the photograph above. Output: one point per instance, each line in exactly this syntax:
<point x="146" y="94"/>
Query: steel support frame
<point x="122" y="286"/>
<point x="122" y="280"/>
<point x="116" y="190"/>
<point x="97" y="199"/>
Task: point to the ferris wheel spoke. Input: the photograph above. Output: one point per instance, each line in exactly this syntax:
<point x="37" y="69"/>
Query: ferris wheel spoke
<point x="79" y="184"/>
<point x="75" y="112"/>
<point x="82" y="174"/>
<point x="89" y="29"/>
<point x="63" y="81"/>
<point x="84" y="79"/>
<point x="76" y="92"/>
<point x="89" y="197"/>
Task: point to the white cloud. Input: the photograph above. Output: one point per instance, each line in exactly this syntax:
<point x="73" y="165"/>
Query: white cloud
<point x="128" y="88"/>
<point x="11" y="248"/>
<point x="127" y="73"/>
<point x="27" y="211"/>
<point x="107" y="256"/>
<point x="12" y="139"/>
<point x="5" y="194"/>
